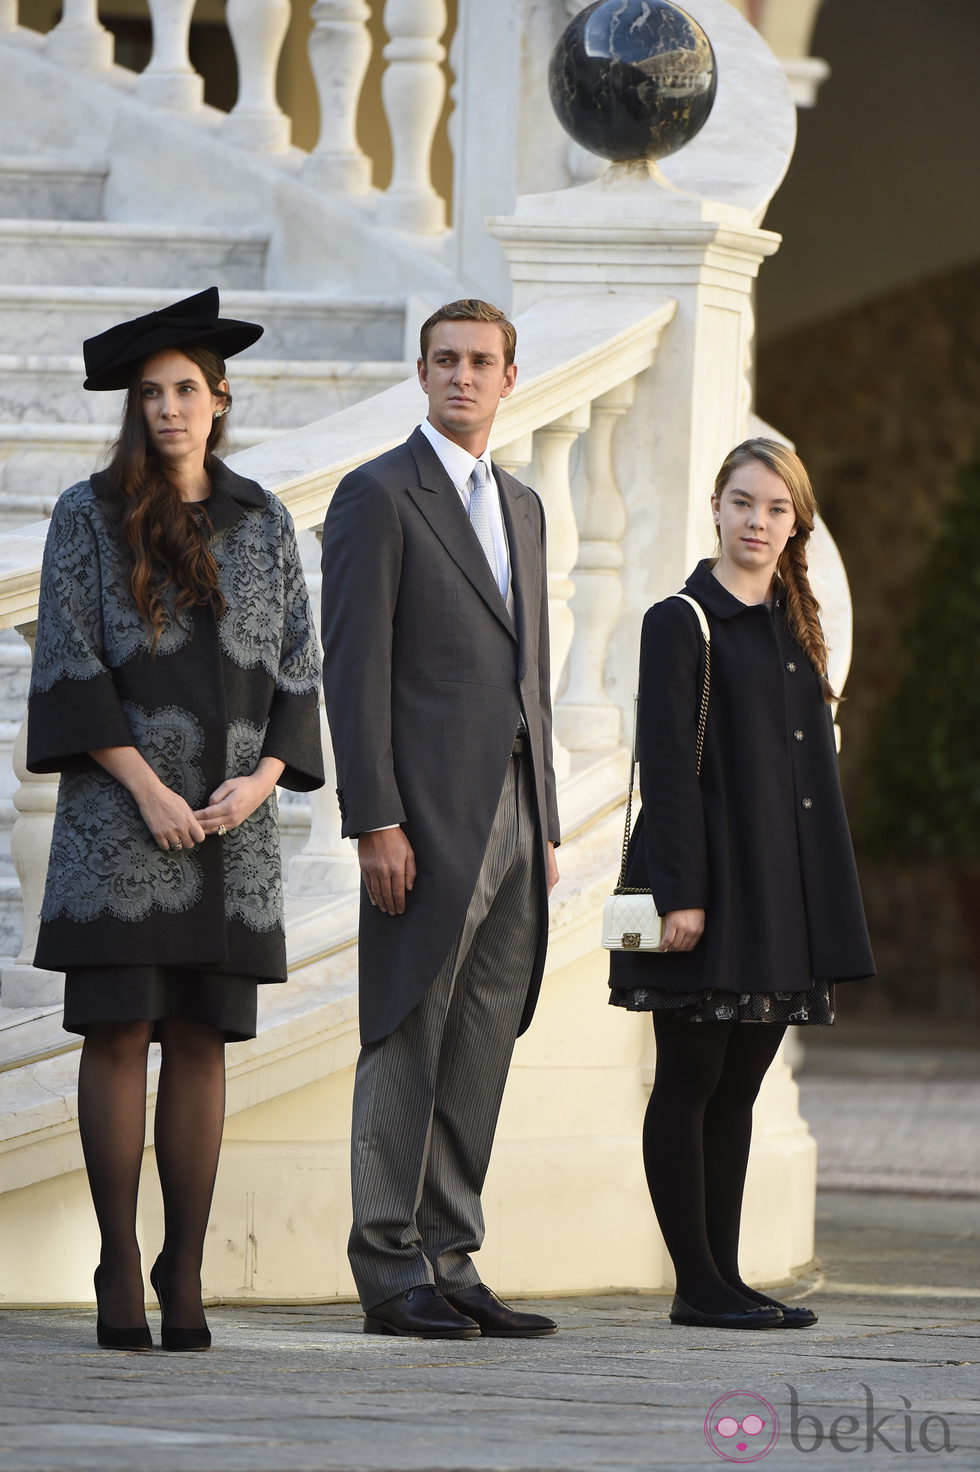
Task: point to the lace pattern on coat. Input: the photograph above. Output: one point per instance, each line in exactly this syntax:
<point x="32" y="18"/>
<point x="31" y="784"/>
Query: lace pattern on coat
<point x="102" y="852"/>
<point x="87" y="619"/>
<point x="252" y="863"/>
<point x="266" y="621"/>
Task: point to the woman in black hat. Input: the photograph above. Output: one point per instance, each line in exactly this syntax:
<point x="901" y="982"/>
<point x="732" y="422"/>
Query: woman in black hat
<point x="174" y="685"/>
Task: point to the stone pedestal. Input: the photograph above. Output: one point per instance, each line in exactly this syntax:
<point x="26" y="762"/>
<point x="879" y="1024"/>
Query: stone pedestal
<point x="638" y="236"/>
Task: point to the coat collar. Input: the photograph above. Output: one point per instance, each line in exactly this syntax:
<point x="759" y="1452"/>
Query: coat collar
<point x="713" y="597"/>
<point x="231" y="494"/>
<point x="438" y="500"/>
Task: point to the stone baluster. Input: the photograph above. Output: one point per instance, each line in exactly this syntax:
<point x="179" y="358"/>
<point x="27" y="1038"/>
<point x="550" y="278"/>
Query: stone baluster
<point x="170" y="81"/>
<point x="586" y="719"/>
<point x="413" y="89"/>
<point x="79" y="40"/>
<point x="340" y="49"/>
<point x="550" y="478"/>
<point x="22" y="984"/>
<point x="327" y="864"/>
<point x="258" y="29"/>
<point x="8" y="15"/>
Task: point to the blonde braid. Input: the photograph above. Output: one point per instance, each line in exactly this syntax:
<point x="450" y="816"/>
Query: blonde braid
<point x="803" y="610"/>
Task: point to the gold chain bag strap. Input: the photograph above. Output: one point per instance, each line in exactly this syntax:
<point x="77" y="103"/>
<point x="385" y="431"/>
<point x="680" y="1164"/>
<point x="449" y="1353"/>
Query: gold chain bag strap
<point x="629" y="917"/>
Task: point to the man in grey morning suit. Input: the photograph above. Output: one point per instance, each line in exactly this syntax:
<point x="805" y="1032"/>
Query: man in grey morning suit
<point x="436" y="672"/>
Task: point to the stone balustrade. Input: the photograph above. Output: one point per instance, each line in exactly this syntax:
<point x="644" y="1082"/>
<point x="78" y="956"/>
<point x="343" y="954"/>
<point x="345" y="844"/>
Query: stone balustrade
<point x="576" y="385"/>
<point x="340" y="48"/>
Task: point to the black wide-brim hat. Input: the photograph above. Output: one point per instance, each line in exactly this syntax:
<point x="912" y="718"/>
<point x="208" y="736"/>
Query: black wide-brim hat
<point x="111" y="357"/>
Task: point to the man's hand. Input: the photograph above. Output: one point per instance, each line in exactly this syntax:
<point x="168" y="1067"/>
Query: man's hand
<point x="387" y="868"/>
<point x="553" y="875"/>
<point x="682" y="930"/>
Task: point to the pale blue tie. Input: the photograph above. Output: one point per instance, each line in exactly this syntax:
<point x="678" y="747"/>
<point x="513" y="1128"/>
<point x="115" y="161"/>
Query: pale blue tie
<point x="480" y="515"/>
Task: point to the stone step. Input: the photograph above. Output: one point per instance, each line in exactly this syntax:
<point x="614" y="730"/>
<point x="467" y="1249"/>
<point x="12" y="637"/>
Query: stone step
<point x="98" y="253"/>
<point x="39" y="461"/>
<point x="57" y="319"/>
<point x="52" y="187"/>
<point x="265" y="391"/>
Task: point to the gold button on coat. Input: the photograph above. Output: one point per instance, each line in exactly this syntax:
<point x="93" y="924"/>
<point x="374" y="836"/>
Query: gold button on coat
<point x="798" y="735"/>
<point x="791" y="667"/>
<point x="807" y="802"/>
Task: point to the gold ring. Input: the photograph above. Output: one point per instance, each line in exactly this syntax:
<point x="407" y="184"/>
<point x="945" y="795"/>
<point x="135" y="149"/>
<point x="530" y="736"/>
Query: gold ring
<point x="177" y="845"/>
<point x="222" y="830"/>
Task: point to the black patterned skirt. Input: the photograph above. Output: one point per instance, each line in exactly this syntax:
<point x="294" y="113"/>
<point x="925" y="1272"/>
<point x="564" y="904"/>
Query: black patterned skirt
<point x="150" y="993"/>
<point x="813" y="1007"/>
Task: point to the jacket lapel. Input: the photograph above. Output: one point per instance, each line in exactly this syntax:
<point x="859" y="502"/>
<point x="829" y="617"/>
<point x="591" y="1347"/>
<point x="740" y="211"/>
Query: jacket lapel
<point x="438" y="500"/>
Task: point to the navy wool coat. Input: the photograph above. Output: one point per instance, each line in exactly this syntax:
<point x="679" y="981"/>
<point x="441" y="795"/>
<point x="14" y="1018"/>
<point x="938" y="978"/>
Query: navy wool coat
<point x="761" y="841"/>
<point x="219" y="693"/>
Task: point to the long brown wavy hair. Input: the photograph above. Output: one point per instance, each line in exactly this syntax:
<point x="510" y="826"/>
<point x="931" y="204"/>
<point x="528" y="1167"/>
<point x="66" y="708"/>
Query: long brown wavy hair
<point x="802" y="608"/>
<point x="171" y="565"/>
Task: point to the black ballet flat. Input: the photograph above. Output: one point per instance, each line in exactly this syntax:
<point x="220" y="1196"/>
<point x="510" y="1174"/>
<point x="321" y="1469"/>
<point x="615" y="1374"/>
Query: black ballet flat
<point x="138" y="1337"/>
<point x="176" y="1340"/>
<point x="747" y="1318"/>
<point x="794" y="1316"/>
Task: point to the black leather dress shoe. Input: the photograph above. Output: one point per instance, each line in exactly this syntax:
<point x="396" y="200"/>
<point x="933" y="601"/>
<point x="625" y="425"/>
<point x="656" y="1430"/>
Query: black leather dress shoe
<point x="747" y="1318"/>
<point x="422" y="1313"/>
<point x="498" y="1320"/>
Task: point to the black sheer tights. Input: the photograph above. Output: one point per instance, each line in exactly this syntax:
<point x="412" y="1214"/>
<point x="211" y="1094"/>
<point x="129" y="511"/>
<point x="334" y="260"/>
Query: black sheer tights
<point x="187" y="1138"/>
<point x="696" y="1138"/>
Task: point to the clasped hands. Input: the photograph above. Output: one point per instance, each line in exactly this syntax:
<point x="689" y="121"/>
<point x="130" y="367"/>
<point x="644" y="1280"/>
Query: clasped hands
<point x="175" y="825"/>
<point x="387" y="863"/>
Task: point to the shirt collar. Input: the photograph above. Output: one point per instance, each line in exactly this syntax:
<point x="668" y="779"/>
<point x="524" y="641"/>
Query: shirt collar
<point x="456" y="462"/>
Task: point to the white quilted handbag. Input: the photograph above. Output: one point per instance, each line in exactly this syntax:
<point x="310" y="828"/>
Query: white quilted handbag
<point x="629" y="917"/>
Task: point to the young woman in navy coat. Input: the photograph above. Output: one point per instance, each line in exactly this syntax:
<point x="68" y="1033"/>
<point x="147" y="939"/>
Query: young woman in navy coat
<point x="750" y="864"/>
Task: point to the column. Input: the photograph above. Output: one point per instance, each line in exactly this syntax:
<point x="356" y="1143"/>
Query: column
<point x="79" y="40"/>
<point x="170" y="81"/>
<point x="258" y="29"/>
<point x="586" y="719"/>
<point x="340" y="49"/>
<point x="22" y="984"/>
<point x="413" y="89"/>
<point x="550" y="478"/>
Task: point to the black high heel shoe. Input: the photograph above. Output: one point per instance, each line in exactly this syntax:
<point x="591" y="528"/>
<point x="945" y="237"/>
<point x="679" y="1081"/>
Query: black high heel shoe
<point x="137" y="1337"/>
<point x="171" y="1338"/>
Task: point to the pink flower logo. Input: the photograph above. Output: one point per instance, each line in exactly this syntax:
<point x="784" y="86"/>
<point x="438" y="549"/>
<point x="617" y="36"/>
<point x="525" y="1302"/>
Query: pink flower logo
<point x="741" y="1427"/>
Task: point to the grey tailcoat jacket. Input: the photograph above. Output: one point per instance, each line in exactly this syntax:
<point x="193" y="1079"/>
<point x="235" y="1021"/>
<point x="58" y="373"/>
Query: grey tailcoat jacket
<point x="761" y="841"/>
<point x="427" y="679"/>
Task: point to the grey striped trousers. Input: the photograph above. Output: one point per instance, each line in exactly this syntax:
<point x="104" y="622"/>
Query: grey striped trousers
<point x="426" y="1098"/>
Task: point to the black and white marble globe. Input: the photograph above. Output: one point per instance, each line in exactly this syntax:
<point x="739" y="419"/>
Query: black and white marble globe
<point x="633" y="80"/>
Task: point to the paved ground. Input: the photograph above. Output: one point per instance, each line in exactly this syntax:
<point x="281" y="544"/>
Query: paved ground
<point x="618" y="1390"/>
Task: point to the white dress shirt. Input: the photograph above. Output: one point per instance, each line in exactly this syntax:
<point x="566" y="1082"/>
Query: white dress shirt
<point x="458" y="465"/>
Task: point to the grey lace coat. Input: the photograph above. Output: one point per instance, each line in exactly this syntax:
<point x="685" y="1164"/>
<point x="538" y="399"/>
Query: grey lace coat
<point x="219" y="692"/>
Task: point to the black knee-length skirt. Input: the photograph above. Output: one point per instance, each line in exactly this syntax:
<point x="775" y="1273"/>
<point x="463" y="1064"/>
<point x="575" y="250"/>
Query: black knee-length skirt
<point x="150" y="993"/>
